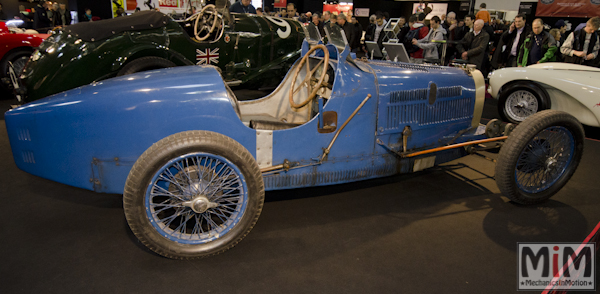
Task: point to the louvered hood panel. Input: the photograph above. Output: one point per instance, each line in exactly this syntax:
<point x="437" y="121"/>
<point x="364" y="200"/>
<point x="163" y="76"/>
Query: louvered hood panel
<point x="406" y="99"/>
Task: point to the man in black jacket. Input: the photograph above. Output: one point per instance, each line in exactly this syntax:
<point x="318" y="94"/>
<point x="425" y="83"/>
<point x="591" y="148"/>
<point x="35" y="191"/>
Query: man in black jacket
<point x="348" y="29"/>
<point x="462" y="31"/>
<point x="62" y="16"/>
<point x="316" y="20"/>
<point x="473" y="46"/>
<point x="513" y="39"/>
<point x="40" y="18"/>
<point x="581" y="46"/>
<point x="450" y="25"/>
<point x="358" y="31"/>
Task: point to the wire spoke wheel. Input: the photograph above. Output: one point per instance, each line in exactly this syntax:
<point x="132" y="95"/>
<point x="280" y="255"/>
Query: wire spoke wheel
<point x="196" y="198"/>
<point x="520" y="105"/>
<point x="193" y="194"/>
<point x="545" y="159"/>
<point x="520" y="100"/>
<point x="539" y="157"/>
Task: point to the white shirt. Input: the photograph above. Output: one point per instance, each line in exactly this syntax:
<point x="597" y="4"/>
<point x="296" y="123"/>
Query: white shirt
<point x="378" y="30"/>
<point x="513" y="50"/>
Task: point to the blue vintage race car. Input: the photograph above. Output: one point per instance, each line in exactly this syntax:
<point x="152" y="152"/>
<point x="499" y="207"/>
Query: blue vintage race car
<point x="193" y="163"/>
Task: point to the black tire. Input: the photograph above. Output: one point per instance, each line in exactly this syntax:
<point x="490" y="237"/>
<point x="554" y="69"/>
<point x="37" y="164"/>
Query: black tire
<point x="142" y="210"/>
<point x="144" y="64"/>
<point x="20" y="55"/>
<point x="539" y="157"/>
<point x="534" y="96"/>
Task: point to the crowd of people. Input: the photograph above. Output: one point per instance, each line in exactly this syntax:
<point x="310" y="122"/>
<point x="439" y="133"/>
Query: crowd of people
<point x="478" y="39"/>
<point x="490" y="43"/>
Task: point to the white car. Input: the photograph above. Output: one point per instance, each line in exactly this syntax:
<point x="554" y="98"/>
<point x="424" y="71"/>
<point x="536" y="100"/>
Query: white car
<point x="523" y="91"/>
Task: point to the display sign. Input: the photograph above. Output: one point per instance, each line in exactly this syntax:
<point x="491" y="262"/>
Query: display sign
<point x="568" y="8"/>
<point x="364" y="12"/>
<point x="465" y="6"/>
<point x="526" y="8"/>
<point x="280" y="3"/>
<point x="338" y="8"/>
<point x="168" y="3"/>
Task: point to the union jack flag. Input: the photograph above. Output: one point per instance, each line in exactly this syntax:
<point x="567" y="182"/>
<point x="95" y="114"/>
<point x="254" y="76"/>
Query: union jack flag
<point x="207" y="56"/>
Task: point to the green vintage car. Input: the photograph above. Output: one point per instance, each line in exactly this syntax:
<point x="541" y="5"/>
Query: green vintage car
<point x="251" y="51"/>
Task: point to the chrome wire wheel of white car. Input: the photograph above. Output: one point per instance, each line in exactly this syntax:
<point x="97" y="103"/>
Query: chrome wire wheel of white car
<point x="520" y="100"/>
<point x="520" y="104"/>
<point x="193" y="194"/>
<point x="539" y="157"/>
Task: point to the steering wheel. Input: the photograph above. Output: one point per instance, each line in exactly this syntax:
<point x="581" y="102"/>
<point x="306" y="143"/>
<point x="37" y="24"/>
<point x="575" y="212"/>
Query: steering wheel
<point x="309" y="81"/>
<point x="210" y="18"/>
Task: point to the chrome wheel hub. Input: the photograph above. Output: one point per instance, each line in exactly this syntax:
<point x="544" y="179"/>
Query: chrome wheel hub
<point x="521" y="104"/>
<point x="200" y="204"/>
<point x="551" y="164"/>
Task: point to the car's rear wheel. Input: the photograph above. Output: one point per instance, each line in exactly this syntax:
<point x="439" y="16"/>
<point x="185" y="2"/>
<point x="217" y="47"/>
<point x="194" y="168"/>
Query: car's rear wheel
<point x="144" y="64"/>
<point x="521" y="100"/>
<point x="193" y="194"/>
<point x="539" y="157"/>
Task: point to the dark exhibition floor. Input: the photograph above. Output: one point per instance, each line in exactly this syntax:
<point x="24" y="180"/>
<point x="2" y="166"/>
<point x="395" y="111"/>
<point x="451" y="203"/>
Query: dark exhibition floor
<point x="444" y="230"/>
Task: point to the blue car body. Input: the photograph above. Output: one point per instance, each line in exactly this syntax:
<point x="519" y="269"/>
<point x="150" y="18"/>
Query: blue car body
<point x="91" y="136"/>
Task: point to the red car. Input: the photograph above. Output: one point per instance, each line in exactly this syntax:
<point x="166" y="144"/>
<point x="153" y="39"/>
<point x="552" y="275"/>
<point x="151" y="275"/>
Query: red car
<point x="16" y="47"/>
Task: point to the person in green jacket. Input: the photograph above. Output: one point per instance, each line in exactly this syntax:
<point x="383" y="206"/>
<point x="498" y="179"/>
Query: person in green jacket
<point x="539" y="46"/>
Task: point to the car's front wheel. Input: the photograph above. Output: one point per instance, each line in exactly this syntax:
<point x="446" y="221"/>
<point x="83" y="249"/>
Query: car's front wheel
<point x="521" y="100"/>
<point x="539" y="157"/>
<point x="193" y="194"/>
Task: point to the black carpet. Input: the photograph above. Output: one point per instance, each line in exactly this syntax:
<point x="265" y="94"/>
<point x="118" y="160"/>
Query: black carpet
<point x="444" y="230"/>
